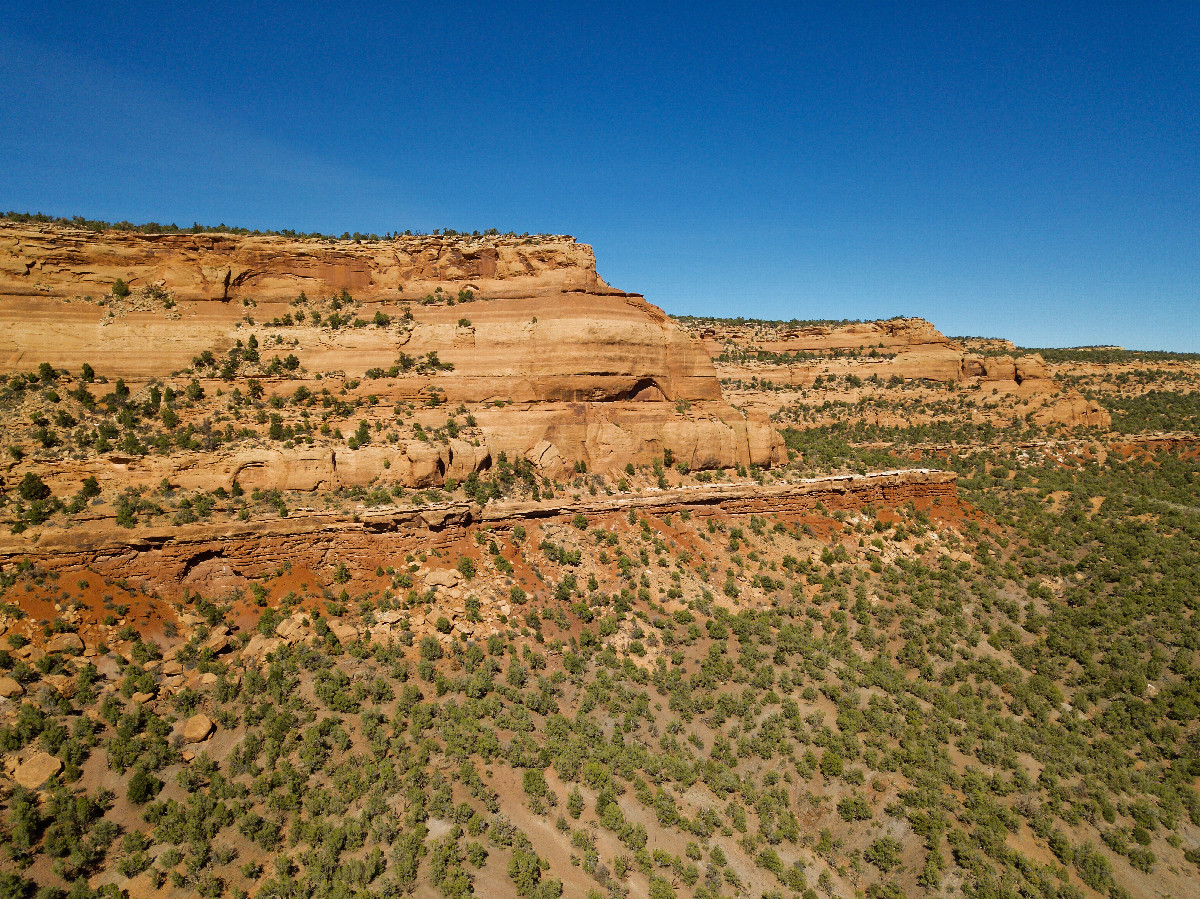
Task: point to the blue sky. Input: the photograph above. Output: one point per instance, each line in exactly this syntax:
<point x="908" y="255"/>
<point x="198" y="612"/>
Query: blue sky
<point x="1029" y="171"/>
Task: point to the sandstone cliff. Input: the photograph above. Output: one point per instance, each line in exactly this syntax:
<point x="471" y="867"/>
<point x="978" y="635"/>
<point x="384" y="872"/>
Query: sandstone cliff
<point x="910" y="349"/>
<point x="51" y="260"/>
<point x="556" y="365"/>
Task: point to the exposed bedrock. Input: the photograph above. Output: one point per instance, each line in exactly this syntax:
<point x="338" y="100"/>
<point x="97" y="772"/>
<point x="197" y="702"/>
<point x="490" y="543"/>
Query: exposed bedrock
<point x="204" y="556"/>
<point x="910" y="349"/>
<point x="50" y="260"/>
<point x="555" y="365"/>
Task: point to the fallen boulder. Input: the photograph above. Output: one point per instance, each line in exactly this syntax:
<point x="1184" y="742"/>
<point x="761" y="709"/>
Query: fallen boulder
<point x="197" y="728"/>
<point x="65" y="643"/>
<point x="36" y="770"/>
<point x="442" y="577"/>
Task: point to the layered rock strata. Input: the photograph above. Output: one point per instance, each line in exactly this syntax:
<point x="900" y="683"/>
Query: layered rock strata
<point x="229" y="555"/>
<point x="51" y="260"/>
<point x="556" y="365"/>
<point x="910" y="349"/>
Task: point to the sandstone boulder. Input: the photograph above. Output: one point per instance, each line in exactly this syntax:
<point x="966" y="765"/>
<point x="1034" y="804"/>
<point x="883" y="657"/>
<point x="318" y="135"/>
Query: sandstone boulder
<point x="259" y="647"/>
<point x="197" y="728"/>
<point x="36" y="770"/>
<point x="62" y="683"/>
<point x="442" y="577"/>
<point x="218" y="645"/>
<point x="65" y="643"/>
<point x="218" y="640"/>
<point x="293" y="629"/>
<point x="344" y="631"/>
<point x="9" y="688"/>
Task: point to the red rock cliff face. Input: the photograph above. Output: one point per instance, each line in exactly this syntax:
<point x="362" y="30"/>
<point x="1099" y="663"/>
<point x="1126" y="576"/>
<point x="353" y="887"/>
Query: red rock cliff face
<point x="203" y="556"/>
<point x="557" y="365"/>
<point x="49" y="260"/>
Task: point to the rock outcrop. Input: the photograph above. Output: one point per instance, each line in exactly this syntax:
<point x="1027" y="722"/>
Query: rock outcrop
<point x="1074" y="410"/>
<point x="36" y="770"/>
<point x="906" y="348"/>
<point x="890" y="334"/>
<point x="909" y="349"/>
<point x="584" y="372"/>
<point x="228" y="556"/>
<point x="51" y="260"/>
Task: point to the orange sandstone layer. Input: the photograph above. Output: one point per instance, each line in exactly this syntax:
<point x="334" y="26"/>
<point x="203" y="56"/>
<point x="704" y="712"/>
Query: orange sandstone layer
<point x="910" y="349"/>
<point x="52" y="260"/>
<point x="556" y="365"/>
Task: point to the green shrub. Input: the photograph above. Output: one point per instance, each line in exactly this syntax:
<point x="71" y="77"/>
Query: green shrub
<point x="32" y="488"/>
<point x="143" y="786"/>
<point x="884" y="854"/>
<point x="854" y="807"/>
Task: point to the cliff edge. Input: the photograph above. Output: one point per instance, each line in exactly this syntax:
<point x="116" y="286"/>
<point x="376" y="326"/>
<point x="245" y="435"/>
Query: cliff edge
<point x="521" y="334"/>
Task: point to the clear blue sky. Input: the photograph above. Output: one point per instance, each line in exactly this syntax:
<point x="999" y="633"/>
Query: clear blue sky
<point x="1021" y="170"/>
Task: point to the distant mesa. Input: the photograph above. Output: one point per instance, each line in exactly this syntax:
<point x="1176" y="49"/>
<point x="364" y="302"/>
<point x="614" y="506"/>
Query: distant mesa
<point x="910" y="349"/>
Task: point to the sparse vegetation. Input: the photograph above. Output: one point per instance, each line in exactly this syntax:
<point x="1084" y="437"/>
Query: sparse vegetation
<point x="607" y="682"/>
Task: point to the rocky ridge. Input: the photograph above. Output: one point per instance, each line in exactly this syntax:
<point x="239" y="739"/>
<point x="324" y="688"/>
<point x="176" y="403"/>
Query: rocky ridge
<point x="172" y="557"/>
<point x="53" y="260"/>
<point x="229" y="558"/>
